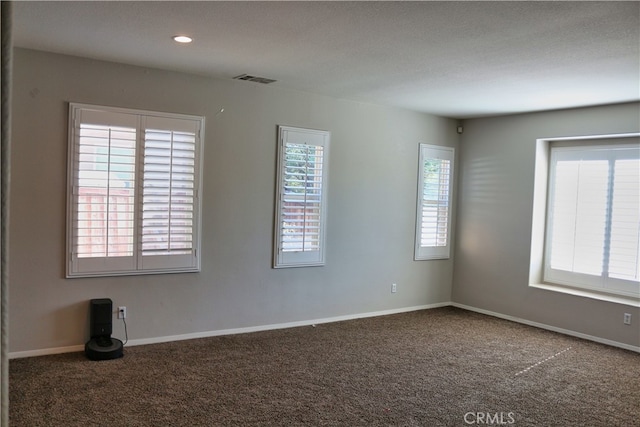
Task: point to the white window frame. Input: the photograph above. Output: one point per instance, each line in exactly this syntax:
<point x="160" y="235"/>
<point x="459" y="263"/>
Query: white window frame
<point x="134" y="262"/>
<point x="307" y="255"/>
<point x="539" y="219"/>
<point x="441" y="249"/>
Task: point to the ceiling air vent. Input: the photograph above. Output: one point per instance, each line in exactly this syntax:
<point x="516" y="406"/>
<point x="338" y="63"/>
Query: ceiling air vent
<point x="256" y="79"/>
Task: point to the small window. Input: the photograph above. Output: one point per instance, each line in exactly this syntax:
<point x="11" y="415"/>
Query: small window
<point x="593" y="218"/>
<point x="301" y="199"/>
<point x="133" y="197"/>
<point x="433" y="217"/>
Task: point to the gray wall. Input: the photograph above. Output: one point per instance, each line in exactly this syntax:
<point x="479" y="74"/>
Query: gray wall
<point x="495" y="199"/>
<point x="372" y="183"/>
<point x="371" y="217"/>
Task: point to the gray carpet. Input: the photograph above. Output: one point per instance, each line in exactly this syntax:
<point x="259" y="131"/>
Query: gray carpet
<point x="441" y="367"/>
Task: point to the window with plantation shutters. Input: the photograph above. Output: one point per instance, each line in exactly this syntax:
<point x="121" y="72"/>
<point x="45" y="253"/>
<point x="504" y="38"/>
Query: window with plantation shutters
<point x="433" y="216"/>
<point x="133" y="197"/>
<point x="593" y="218"/>
<point x="301" y="197"/>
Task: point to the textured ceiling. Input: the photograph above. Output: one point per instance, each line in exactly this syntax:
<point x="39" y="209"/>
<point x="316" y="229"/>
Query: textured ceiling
<point x="455" y="59"/>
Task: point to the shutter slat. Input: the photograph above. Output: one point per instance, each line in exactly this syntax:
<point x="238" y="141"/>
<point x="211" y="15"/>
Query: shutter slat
<point x="624" y="262"/>
<point x="435" y="202"/>
<point x="104" y="204"/>
<point x="301" y="225"/>
<point x="168" y="190"/>
<point x="594" y="217"/>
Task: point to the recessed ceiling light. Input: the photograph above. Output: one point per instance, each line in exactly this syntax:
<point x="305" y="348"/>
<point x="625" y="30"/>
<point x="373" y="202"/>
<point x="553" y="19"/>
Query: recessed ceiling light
<point x="183" y="39"/>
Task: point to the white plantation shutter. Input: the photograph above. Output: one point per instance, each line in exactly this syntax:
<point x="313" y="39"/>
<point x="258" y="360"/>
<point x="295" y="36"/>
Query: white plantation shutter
<point x="594" y="218"/>
<point x="301" y="197"/>
<point x="102" y="191"/>
<point x="133" y="198"/>
<point x="580" y="208"/>
<point x="433" y="216"/>
<point x="169" y="192"/>
<point x="624" y="262"/>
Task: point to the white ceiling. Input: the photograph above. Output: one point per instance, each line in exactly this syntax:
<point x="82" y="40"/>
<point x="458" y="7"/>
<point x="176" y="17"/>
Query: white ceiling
<point x="454" y="59"/>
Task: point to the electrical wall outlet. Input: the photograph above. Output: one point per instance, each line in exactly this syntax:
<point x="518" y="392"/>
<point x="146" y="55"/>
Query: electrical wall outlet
<point x="627" y="318"/>
<point x="394" y="288"/>
<point x="122" y="312"/>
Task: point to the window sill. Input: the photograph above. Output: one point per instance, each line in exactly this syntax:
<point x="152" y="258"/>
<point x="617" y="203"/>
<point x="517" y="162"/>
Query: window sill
<point x="618" y="299"/>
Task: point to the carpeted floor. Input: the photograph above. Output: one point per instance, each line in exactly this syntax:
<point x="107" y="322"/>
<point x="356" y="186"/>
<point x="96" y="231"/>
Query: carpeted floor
<point x="441" y="367"/>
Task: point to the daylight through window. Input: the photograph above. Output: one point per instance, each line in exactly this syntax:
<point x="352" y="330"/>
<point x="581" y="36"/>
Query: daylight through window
<point x="133" y="191"/>
<point x="301" y="202"/>
<point x="433" y="217"/>
<point x="593" y="218"/>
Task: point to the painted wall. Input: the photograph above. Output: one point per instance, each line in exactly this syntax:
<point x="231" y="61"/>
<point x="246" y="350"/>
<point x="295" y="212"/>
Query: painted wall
<point x="371" y="210"/>
<point x="495" y="199"/>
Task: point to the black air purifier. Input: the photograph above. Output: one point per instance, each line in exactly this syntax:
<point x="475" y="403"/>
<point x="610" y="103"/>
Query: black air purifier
<point x="101" y="346"/>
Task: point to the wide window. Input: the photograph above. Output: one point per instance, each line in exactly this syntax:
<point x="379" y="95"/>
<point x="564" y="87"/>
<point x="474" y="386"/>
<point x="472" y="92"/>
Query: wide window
<point x="301" y="199"/>
<point x="133" y="198"/>
<point x="433" y="216"/>
<point x="593" y="217"/>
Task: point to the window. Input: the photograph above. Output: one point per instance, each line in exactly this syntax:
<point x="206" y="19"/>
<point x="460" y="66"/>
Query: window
<point x="133" y="197"/>
<point x="301" y="200"/>
<point x="433" y="217"/>
<point x="593" y="217"/>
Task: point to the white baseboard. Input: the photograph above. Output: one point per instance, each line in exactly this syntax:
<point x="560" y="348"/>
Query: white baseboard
<point x="45" y="351"/>
<point x="550" y="328"/>
<point x="275" y="326"/>
<point x="207" y="334"/>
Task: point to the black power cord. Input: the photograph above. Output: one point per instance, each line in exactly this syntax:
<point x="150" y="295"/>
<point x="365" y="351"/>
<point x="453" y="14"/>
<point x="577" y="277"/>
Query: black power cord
<point x="126" y="334"/>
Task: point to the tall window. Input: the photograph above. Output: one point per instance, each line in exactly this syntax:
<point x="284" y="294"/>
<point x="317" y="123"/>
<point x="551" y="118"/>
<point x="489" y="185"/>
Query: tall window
<point x="303" y="156"/>
<point x="593" y="218"/>
<point x="433" y="216"/>
<point x="133" y="202"/>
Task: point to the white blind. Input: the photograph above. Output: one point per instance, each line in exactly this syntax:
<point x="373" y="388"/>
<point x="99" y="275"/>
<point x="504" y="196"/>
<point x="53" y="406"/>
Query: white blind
<point x="434" y="202"/>
<point x="624" y="255"/>
<point x="593" y="234"/>
<point x="133" y="198"/>
<point x="168" y="192"/>
<point x="579" y="216"/>
<point x="301" y="204"/>
<point x="104" y="190"/>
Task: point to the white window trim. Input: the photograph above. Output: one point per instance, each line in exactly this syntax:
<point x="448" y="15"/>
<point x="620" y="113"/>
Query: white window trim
<point x="151" y="265"/>
<point x="538" y="224"/>
<point x="428" y="151"/>
<point x="295" y="135"/>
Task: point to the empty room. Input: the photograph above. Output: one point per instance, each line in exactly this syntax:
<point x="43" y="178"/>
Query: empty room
<point x="320" y="213"/>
